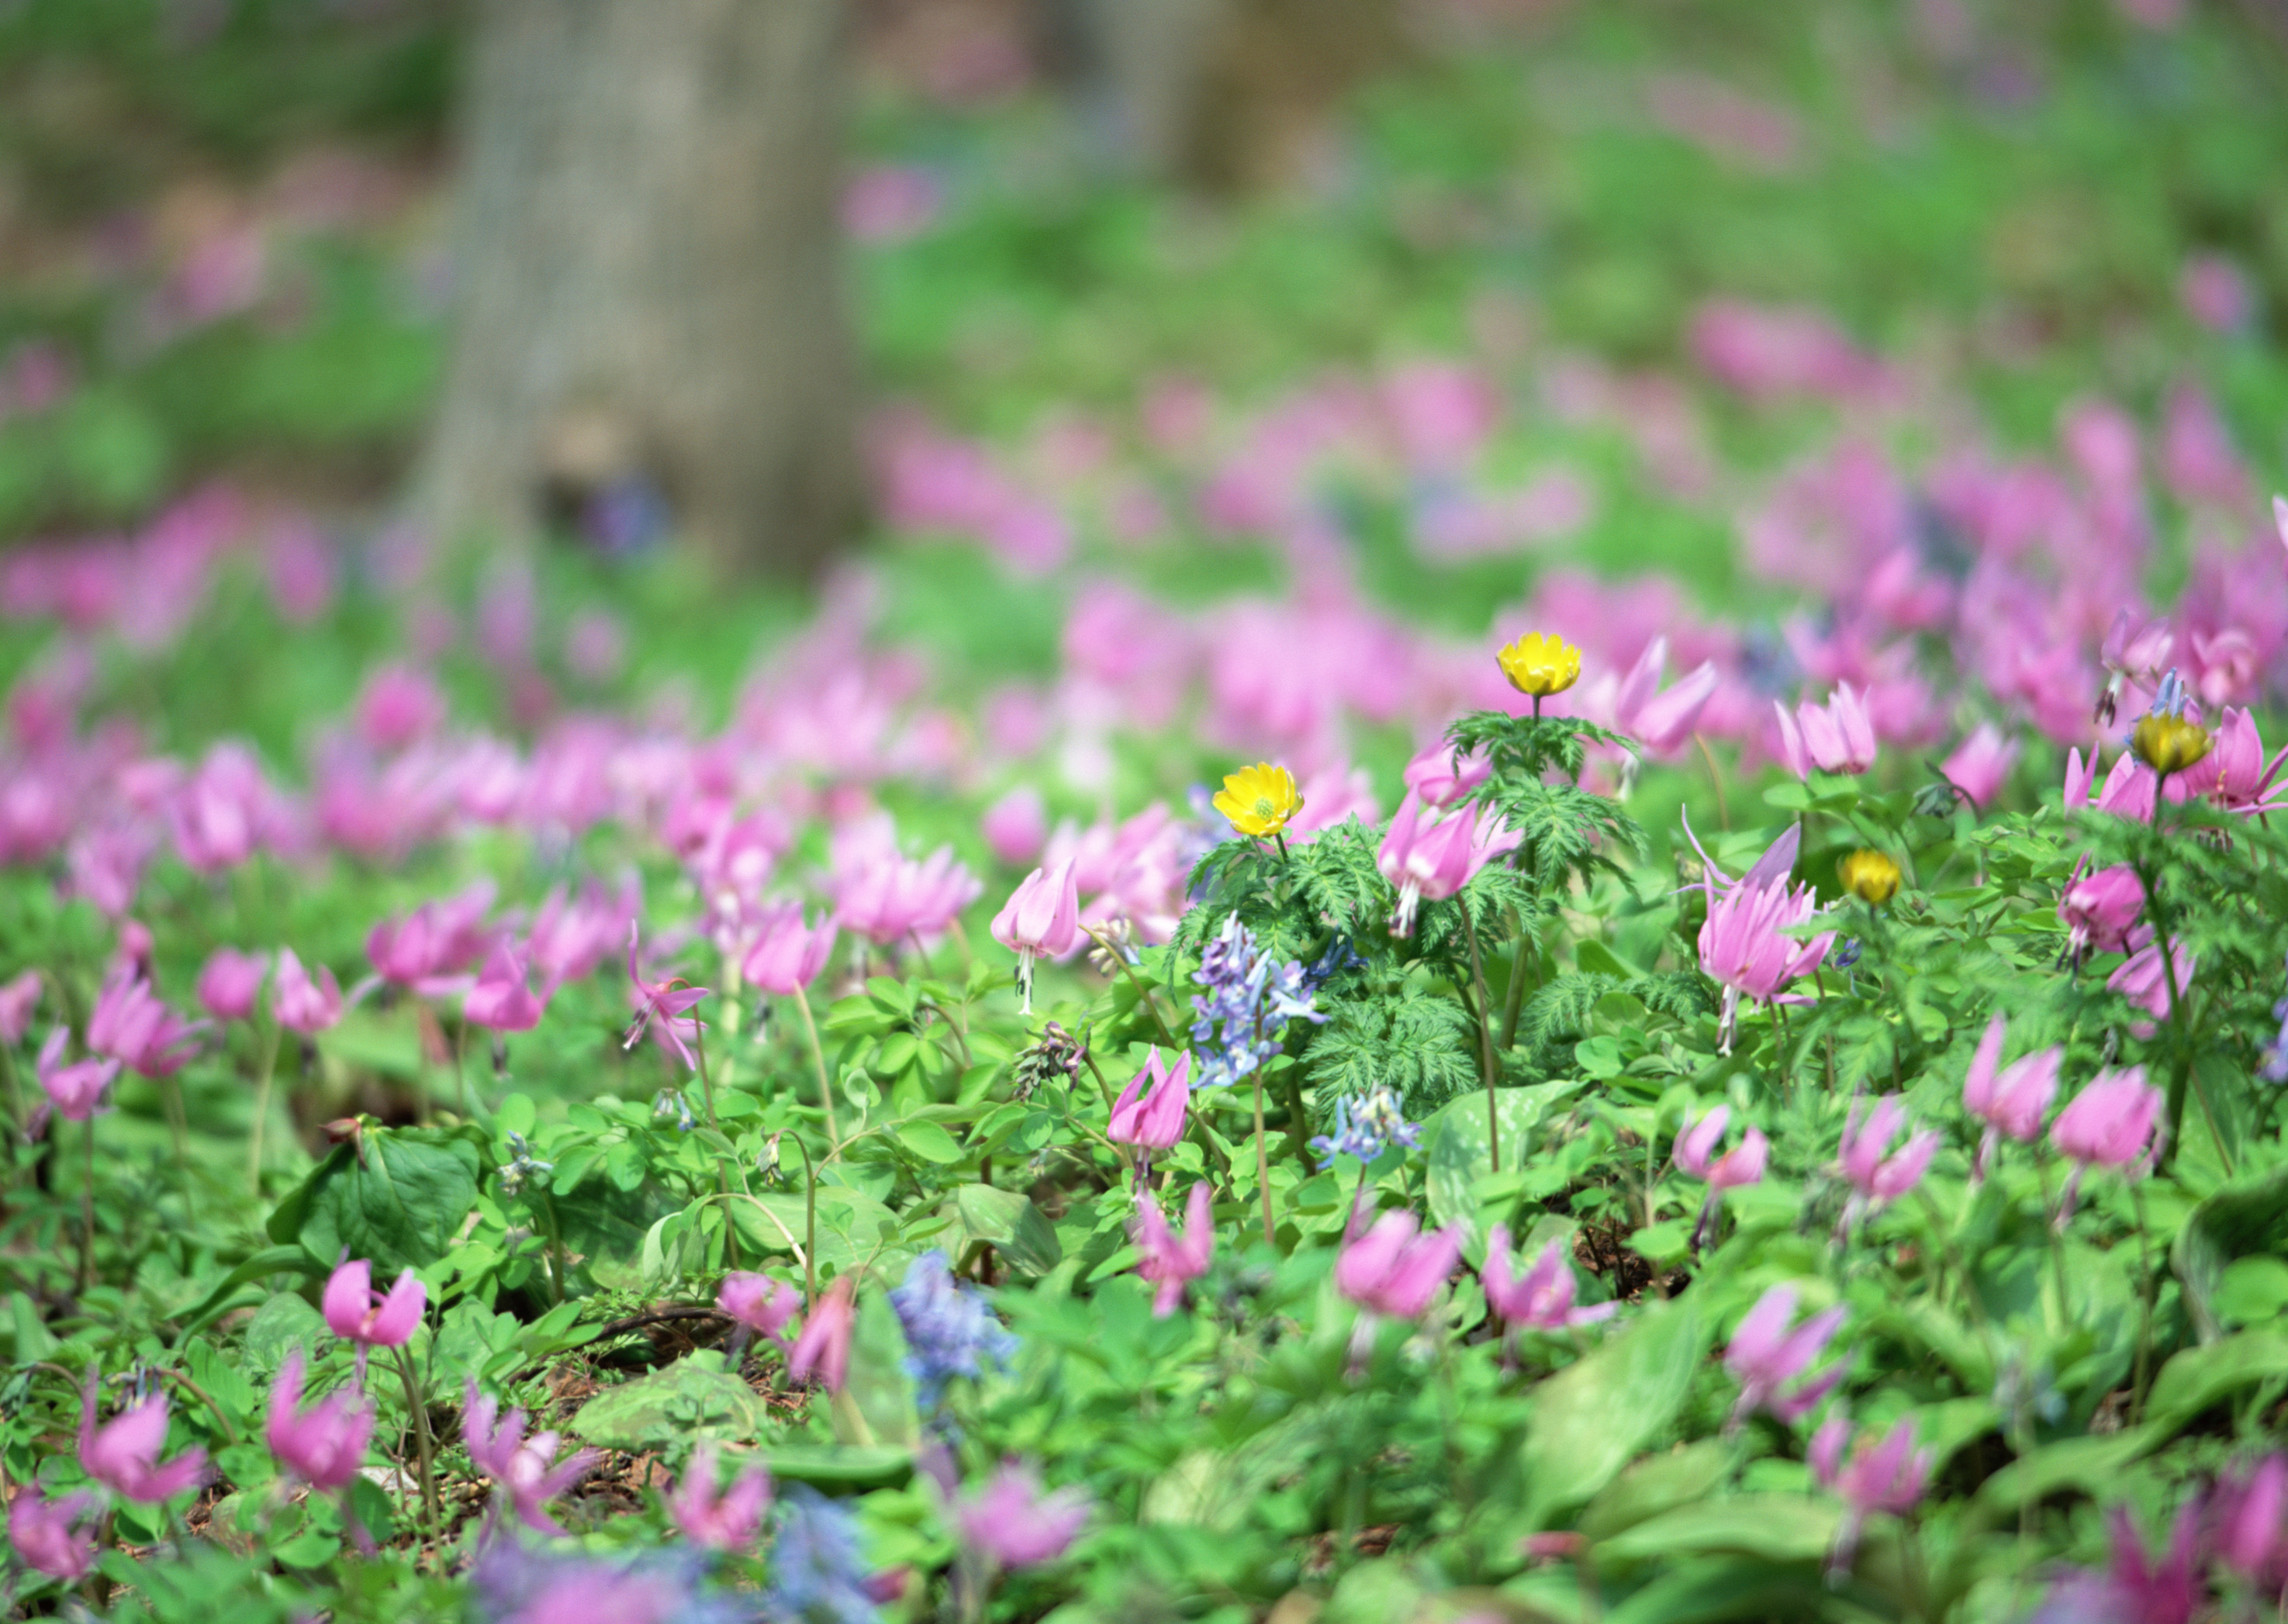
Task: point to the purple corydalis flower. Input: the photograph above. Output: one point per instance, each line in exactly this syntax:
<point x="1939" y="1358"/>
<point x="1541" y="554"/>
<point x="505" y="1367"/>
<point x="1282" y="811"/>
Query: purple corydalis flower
<point x="54" y="1537"/>
<point x="1041" y="918"/>
<point x="822" y="1349"/>
<point x="2110" y="1123"/>
<point x="324" y="1445"/>
<point x="74" y="1090"/>
<point x="1765" y="1356"/>
<point x="123" y="1454"/>
<point x="718" y="1519"/>
<point x="1172" y="1260"/>
<point x="129" y="1024"/>
<point x="230" y="983"/>
<point x="1391" y="1268"/>
<point x="526" y="1470"/>
<point x="1836" y="737"/>
<point x="950" y="1326"/>
<point x="2100" y="909"/>
<point x="1542" y="1298"/>
<point x="1877" y="1179"/>
<point x="663" y="1008"/>
<point x="503" y="999"/>
<point x="1889" y="1475"/>
<point x="1150" y="1112"/>
<point x="18" y="999"/>
<point x="356" y="1311"/>
<point x="1014" y="1523"/>
<point x="788" y="954"/>
<point x="2013" y="1100"/>
<point x="758" y="1302"/>
<point x="300" y="1002"/>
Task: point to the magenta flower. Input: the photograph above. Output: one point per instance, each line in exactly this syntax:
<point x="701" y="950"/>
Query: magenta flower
<point x="323" y="1446"/>
<point x="223" y="813"/>
<point x="570" y="939"/>
<point x="2110" y="1124"/>
<point x="18" y="999"/>
<point x="663" y="1008"/>
<point x="398" y="705"/>
<point x="1742" y="946"/>
<point x="2246" y="1512"/>
<point x="2235" y="774"/>
<point x="1155" y="1120"/>
<point x="1168" y="1260"/>
<point x="129" y="1024"/>
<point x="1429" y="855"/>
<point x="2135" y="1587"/>
<point x="356" y="1311"/>
<point x="1390" y="1269"/>
<point x="1836" y="737"/>
<point x="1886" y="1476"/>
<point x="788" y="954"/>
<point x="2143" y="978"/>
<point x="1439" y="778"/>
<point x="2013" y="1100"/>
<point x="1765" y="1357"/>
<point x="1542" y="1298"/>
<point x="1980" y="764"/>
<point x="2100" y="909"/>
<point x="823" y="1350"/>
<point x="123" y="1454"/>
<point x="1041" y="917"/>
<point x="427" y="950"/>
<point x="300" y="1002"/>
<point x="758" y="1302"/>
<point x="1877" y="1179"/>
<point x="230" y="985"/>
<point x="54" y="1537"/>
<point x="1662" y="720"/>
<point x="1014" y="1523"/>
<point x="714" y="1519"/>
<point x="1743" y="1164"/>
<point x="503" y="999"/>
<point x="74" y="1091"/>
<point x="525" y="1470"/>
<point x="1016" y="825"/>
<point x="886" y="897"/>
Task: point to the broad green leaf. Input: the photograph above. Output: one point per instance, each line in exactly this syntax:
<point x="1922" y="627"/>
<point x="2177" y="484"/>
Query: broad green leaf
<point x="1656" y="1485"/>
<point x="2243" y="1216"/>
<point x="927" y="1141"/>
<point x="842" y="1466"/>
<point x="878" y="1390"/>
<point x="280" y="1325"/>
<point x="2198" y="1378"/>
<point x="1593" y="1417"/>
<point x="396" y="1196"/>
<point x="693" y="1398"/>
<point x="1772" y="1527"/>
<point x="1457" y="1149"/>
<point x="1010" y="1224"/>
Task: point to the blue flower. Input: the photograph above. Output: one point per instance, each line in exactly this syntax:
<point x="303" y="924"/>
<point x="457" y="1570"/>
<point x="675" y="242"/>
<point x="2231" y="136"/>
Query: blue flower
<point x="1240" y="1014"/>
<point x="818" y="1574"/>
<point x="950" y="1328"/>
<point x="1377" y="1124"/>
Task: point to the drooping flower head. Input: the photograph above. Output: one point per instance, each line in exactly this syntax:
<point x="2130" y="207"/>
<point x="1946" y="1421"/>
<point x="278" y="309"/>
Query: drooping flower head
<point x="2100" y="909"/>
<point x="1014" y="1523"/>
<point x="74" y="1090"/>
<point x="823" y="1348"/>
<point x="1836" y="737"/>
<point x="1390" y="1268"/>
<point x="123" y="1454"/>
<point x="758" y="1302"/>
<point x="2012" y="1099"/>
<point x="502" y="999"/>
<point x="131" y="1025"/>
<point x="1885" y="1475"/>
<point x="1541" y="1299"/>
<point x="713" y="1517"/>
<point x="1168" y="1260"/>
<point x="788" y="954"/>
<point x="1429" y="855"/>
<point x="230" y="985"/>
<point x="1877" y="1179"/>
<point x="1539" y="664"/>
<point x="2110" y="1124"/>
<point x="301" y="1004"/>
<point x="358" y="1313"/>
<point x="1260" y="800"/>
<point x="324" y="1445"/>
<point x="664" y="1008"/>
<point x="1150" y="1113"/>
<point x="55" y="1537"/>
<point x="1771" y="1361"/>
<point x="1041" y="919"/>
<point x="525" y="1470"/>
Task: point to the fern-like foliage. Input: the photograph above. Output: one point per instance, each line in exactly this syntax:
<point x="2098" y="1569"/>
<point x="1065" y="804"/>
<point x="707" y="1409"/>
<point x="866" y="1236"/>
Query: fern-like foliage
<point x="1566" y="833"/>
<point x="1528" y="747"/>
<point x="1421" y="1045"/>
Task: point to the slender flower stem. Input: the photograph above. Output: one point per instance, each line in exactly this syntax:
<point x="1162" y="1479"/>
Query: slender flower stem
<point x="424" y="1444"/>
<point x="2057" y="1241"/>
<point x="262" y="1107"/>
<point x="825" y="1085"/>
<point x="1263" y="1161"/>
<point x="1716" y="779"/>
<point x="1144" y="989"/>
<point x="178" y="1126"/>
<point x="810" y="1223"/>
<point x="17" y="1115"/>
<point x="706" y="1078"/>
<point x="1514" y="1004"/>
<point x="87" y="1210"/>
<point x="1111" y="1098"/>
<point x="1485" y="1034"/>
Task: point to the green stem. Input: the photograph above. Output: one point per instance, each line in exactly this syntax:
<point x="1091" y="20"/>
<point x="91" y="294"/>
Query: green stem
<point x="810" y="1223"/>
<point x="825" y="1084"/>
<point x="556" y="1242"/>
<point x="262" y="1108"/>
<point x="706" y="1078"/>
<point x="1144" y="988"/>
<point x="2152" y="1287"/>
<point x="179" y="1126"/>
<point x="1514" y="1004"/>
<point x="424" y="1444"/>
<point x="1485" y="1035"/>
<point x="1263" y="1163"/>
<point x="87" y="1211"/>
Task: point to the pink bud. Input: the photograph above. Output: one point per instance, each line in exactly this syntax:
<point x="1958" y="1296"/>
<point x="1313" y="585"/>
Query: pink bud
<point x="1016" y="825"/>
<point x="1156" y="1121"/>
<point x="823" y="1350"/>
<point x="231" y="983"/>
<point x="301" y="1003"/>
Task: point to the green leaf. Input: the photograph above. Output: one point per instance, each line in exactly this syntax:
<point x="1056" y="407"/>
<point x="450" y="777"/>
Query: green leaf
<point x="1593" y="1417"/>
<point x="2243" y="1216"/>
<point x="1655" y="1486"/>
<point x="927" y="1141"/>
<point x="269" y="1261"/>
<point x="2198" y="1378"/>
<point x="1458" y="1152"/>
<point x="1772" y="1527"/>
<point x="693" y="1398"/>
<point x="396" y="1196"/>
<point x="1010" y="1224"/>
<point x="878" y="1390"/>
<point x="280" y="1325"/>
<point x="843" y="1466"/>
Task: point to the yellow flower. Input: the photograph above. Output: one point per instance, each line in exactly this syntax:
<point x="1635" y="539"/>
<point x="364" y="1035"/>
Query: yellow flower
<point x="1260" y="799"/>
<point x="2170" y="744"/>
<point x="1870" y="876"/>
<point x="1541" y="663"/>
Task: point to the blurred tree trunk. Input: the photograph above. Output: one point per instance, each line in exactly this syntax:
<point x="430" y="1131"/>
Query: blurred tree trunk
<point x="648" y="276"/>
<point x="1224" y="96"/>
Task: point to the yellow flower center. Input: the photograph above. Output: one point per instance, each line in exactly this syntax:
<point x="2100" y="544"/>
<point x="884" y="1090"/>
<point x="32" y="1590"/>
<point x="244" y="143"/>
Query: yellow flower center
<point x="1870" y="876"/>
<point x="2170" y="744"/>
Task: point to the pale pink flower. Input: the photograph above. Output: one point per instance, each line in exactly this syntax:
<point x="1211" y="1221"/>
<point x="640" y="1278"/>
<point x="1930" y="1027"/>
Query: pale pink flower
<point x="503" y="999"/>
<point x="123" y="1454"/>
<point x="758" y="1302"/>
<point x="1014" y="1523"/>
<point x="2100" y="909"/>
<point x="1980" y="764"/>
<point x="75" y="1090"/>
<point x="1429" y="856"/>
<point x="1172" y="1260"/>
<point x="1015" y="826"/>
<point x="2110" y="1124"/>
<point x="301" y="1004"/>
<point x="1877" y="1179"/>
<point x="1041" y="918"/>
<point x="230" y="983"/>
<point x="526" y="1470"/>
<point x="2013" y="1100"/>
<point x="1889" y="1475"/>
<point x="1390" y="1268"/>
<point x="129" y="1024"/>
<point x="714" y="1519"/>
<point x="1150" y="1112"/>
<point x="822" y="1349"/>
<point x="1439" y="778"/>
<point x="1765" y="1357"/>
<point x="18" y="999"/>
<point x="358" y="1313"/>
<point x="1836" y="737"/>
<point x="55" y="1537"/>
<point x="324" y="1445"/>
<point x="1542" y="1298"/>
<point x="787" y="954"/>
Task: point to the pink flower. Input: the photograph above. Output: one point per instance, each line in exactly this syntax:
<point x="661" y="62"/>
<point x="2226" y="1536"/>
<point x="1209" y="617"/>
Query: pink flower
<point x="357" y="1312"/>
<point x="2014" y="1101"/>
<point x="54" y="1537"/>
<point x="570" y="939"/>
<point x="128" y="1023"/>
<point x="427" y="950"/>
<point x="1391" y="1270"/>
<point x="1980" y="764"/>
<point x="1743" y="1164"/>
<point x="1886" y="1476"/>
<point x="1168" y="1260"/>
<point x="1836" y="737"/>
<point x="1013" y="1523"/>
<point x="663" y="1007"/>
<point x="123" y="1454"/>
<point x="1542" y="1299"/>
<point x="1156" y="1121"/>
<point x="788" y="954"/>
<point x="1765" y="1357"/>
<point x="2144" y="979"/>
<point x="1439" y="778"/>
<point x="324" y="1445"/>
<point x="18" y="999"/>
<point x="301" y="1003"/>
<point x="503" y="999"/>
<point x="886" y="897"/>
<point x="823" y="1350"/>
<point x="1041" y="917"/>
<point x="525" y="1470"/>
<point x="1743" y="945"/>
<point x="2099" y="909"/>
<point x="718" y="1519"/>
<point x="2110" y="1123"/>
<point x="2247" y="1509"/>
<point x="1427" y="855"/>
<point x="2235" y="774"/>
<point x="1877" y="1180"/>
<point x="74" y="1091"/>
<point x="1662" y="721"/>
<point x="225" y="811"/>
<point x="398" y="705"/>
<point x="2136" y="1588"/>
<point x="1016" y="825"/>
<point x="230" y="985"/>
<point x="758" y="1302"/>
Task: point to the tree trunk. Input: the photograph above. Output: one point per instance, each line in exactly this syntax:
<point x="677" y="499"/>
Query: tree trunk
<point x="648" y="277"/>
